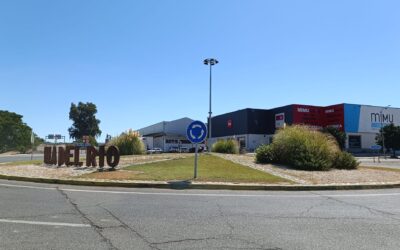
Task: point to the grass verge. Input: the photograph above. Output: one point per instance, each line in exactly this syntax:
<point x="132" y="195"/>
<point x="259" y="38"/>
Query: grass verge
<point x="210" y="168"/>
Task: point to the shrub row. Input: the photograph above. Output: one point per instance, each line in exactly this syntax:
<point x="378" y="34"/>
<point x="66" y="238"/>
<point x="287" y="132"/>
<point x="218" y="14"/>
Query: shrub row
<point x="229" y="146"/>
<point x="303" y="148"/>
<point x="128" y="143"/>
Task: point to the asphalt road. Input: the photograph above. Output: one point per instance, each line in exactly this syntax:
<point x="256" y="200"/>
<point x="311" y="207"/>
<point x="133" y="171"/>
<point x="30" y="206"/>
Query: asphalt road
<point x="38" y="216"/>
<point x="20" y="157"/>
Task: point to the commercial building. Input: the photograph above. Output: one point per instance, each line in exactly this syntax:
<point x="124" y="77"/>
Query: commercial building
<point x="253" y="127"/>
<point x="167" y="135"/>
<point x="249" y="126"/>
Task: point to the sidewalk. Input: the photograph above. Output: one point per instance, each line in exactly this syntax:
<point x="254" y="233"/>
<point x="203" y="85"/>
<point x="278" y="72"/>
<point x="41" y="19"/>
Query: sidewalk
<point x="386" y="163"/>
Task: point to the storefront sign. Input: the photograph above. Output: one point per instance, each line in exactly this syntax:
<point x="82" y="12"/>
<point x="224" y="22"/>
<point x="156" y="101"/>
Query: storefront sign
<point x="373" y="118"/>
<point x="280" y="120"/>
<point x="229" y="123"/>
<point x="69" y="156"/>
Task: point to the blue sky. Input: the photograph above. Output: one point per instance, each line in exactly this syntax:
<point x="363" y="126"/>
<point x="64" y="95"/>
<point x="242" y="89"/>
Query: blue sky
<point x="140" y="62"/>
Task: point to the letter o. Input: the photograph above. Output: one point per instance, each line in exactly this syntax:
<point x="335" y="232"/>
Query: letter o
<point x="112" y="156"/>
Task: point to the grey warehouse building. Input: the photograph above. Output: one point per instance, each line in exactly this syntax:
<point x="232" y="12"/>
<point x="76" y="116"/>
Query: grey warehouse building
<point x="167" y="135"/>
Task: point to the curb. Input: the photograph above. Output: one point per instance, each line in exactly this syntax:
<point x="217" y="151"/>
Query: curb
<point x="211" y="186"/>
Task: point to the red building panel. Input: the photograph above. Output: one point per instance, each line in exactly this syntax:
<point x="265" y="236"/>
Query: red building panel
<point x="334" y="116"/>
<point x="308" y="115"/>
<point x="319" y="116"/>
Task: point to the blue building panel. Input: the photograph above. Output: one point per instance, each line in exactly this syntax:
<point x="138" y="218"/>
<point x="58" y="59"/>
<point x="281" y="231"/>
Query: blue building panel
<point x="351" y="118"/>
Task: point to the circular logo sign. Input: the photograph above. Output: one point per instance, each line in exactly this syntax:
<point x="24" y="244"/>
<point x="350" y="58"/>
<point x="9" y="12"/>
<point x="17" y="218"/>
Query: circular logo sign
<point x="196" y="132"/>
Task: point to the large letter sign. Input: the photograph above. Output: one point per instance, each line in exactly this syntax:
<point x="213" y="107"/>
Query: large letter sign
<point x="61" y="156"/>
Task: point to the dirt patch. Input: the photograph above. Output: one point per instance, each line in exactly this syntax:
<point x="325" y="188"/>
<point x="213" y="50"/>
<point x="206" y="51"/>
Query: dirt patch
<point x="63" y="172"/>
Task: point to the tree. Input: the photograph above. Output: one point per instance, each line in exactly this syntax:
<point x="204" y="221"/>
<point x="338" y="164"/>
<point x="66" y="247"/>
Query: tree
<point x="339" y="135"/>
<point x="391" y="135"/>
<point x="14" y="133"/>
<point x="84" y="121"/>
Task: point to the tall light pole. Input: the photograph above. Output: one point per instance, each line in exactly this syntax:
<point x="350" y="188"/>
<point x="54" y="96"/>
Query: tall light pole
<point x="211" y="62"/>
<point x="383" y="138"/>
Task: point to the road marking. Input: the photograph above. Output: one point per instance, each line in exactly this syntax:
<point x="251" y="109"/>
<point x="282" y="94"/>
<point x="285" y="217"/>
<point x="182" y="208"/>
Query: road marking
<point x="44" y="223"/>
<point x="314" y="195"/>
<point x="31" y="187"/>
<point x="232" y="195"/>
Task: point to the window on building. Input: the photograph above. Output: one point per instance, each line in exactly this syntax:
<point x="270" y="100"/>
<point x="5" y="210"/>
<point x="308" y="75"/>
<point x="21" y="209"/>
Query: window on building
<point x="354" y="141"/>
<point x="171" y="141"/>
<point x="242" y="142"/>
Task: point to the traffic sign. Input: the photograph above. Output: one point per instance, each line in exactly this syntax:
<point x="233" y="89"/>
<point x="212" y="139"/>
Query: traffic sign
<point x="196" y="132"/>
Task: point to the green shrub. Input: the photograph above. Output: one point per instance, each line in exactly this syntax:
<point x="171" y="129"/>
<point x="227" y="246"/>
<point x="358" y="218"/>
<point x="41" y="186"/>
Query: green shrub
<point x="265" y="154"/>
<point x="304" y="148"/>
<point x="229" y="146"/>
<point x="128" y="143"/>
<point x="93" y="141"/>
<point x="339" y="136"/>
<point x="344" y="160"/>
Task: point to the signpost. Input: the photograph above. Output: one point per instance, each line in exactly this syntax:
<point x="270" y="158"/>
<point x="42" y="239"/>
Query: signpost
<point x="32" y="143"/>
<point x="376" y="148"/>
<point x="55" y="137"/>
<point x="196" y="132"/>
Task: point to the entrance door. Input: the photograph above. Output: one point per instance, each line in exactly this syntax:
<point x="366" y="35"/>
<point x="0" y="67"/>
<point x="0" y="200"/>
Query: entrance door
<point x="242" y="142"/>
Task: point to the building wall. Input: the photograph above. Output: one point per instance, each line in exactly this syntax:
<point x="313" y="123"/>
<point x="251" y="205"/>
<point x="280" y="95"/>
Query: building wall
<point x="158" y="142"/>
<point x="366" y="121"/>
<point x="152" y="129"/>
<point x="156" y="135"/>
<point x="367" y="140"/>
<point x="252" y="140"/>
<point x="369" y="119"/>
<point x="272" y="123"/>
<point x="177" y="126"/>
<point x="148" y="142"/>
<point x="229" y="124"/>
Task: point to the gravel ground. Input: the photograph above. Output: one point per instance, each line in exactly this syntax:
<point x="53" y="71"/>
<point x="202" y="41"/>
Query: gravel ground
<point x="362" y="175"/>
<point x="63" y="172"/>
<point x="335" y="176"/>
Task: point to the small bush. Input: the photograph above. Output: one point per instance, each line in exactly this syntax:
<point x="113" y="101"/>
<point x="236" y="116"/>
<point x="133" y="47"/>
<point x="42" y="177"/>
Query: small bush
<point x="304" y="148"/>
<point x="229" y="146"/>
<point x="344" y="160"/>
<point x="128" y="143"/>
<point x="265" y="154"/>
<point x="300" y="147"/>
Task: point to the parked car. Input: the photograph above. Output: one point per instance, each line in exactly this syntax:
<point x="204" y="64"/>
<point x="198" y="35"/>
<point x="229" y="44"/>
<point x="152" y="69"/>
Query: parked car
<point x="184" y="150"/>
<point x="155" y="151"/>
<point x="158" y="150"/>
<point x="173" y="150"/>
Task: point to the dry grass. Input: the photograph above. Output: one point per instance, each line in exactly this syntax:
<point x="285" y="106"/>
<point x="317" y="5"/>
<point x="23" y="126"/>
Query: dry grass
<point x="211" y="168"/>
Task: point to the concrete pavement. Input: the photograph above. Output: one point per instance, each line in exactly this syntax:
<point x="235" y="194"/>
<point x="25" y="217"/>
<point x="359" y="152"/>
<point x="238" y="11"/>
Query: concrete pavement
<point x="382" y="162"/>
<point x="44" y="216"/>
<point x="20" y="157"/>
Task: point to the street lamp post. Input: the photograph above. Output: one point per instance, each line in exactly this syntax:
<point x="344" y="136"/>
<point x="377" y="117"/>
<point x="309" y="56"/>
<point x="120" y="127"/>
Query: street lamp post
<point x="211" y="62"/>
<point x="383" y="138"/>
